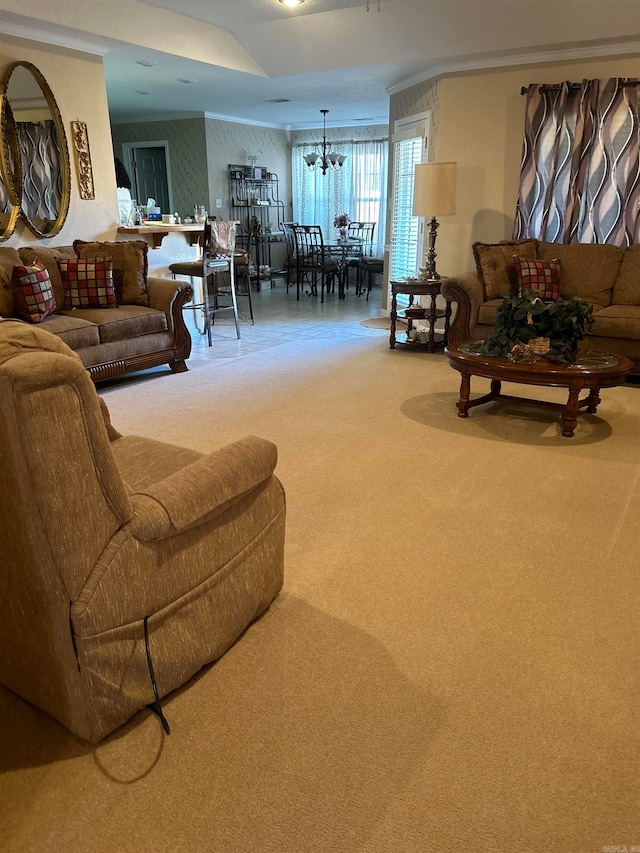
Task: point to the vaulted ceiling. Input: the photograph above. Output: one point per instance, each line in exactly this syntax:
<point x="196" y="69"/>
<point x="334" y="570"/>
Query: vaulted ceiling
<point x="258" y="61"/>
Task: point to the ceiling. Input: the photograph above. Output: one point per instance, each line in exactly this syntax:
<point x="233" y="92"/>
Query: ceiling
<point x="330" y="54"/>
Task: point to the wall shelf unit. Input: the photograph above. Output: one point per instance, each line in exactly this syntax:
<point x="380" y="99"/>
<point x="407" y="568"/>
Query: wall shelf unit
<point x="256" y="204"/>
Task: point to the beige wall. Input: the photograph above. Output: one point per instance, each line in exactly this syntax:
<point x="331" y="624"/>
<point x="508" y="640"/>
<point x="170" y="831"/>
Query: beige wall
<point x="77" y="82"/>
<point x="481" y="120"/>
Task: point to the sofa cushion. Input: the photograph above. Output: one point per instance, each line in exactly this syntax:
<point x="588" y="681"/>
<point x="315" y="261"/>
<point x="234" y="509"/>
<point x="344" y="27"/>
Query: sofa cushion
<point x="75" y="331"/>
<point x="487" y="311"/>
<point x="87" y="284"/>
<point x="9" y="258"/>
<point x="123" y="322"/>
<point x="33" y="292"/>
<point x="542" y="277"/>
<point x="49" y="256"/>
<point x="617" y="321"/>
<point x="626" y="290"/>
<point x="130" y="266"/>
<point x="494" y="262"/>
<point x="587" y="270"/>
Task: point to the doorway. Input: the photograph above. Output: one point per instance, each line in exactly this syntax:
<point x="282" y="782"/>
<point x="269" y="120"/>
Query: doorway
<point x="148" y="166"/>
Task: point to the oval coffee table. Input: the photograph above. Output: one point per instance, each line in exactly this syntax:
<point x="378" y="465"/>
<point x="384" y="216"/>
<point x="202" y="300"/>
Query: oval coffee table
<point x="592" y="371"/>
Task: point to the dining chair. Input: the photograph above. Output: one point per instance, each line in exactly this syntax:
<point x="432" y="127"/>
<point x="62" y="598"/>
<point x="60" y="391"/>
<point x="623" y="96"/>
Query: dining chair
<point x="313" y="261"/>
<point x="290" y="243"/>
<point x="363" y="233"/>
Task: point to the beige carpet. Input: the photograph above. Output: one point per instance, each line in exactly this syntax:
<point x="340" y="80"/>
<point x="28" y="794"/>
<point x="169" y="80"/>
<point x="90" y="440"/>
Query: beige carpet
<point x="452" y="665"/>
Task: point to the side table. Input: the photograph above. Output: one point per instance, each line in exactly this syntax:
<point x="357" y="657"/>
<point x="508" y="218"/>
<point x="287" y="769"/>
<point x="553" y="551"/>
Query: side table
<point x="413" y="288"/>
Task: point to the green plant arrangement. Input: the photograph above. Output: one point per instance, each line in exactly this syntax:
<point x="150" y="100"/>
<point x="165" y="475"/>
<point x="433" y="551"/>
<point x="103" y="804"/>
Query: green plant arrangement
<point x="521" y="318"/>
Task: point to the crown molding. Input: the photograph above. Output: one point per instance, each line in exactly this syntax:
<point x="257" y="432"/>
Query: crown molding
<point x="314" y="125"/>
<point x="487" y="62"/>
<point x="30" y="33"/>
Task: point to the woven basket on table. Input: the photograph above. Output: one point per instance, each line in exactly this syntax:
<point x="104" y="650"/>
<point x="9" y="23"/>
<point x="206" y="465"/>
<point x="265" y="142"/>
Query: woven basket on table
<point x="540" y="346"/>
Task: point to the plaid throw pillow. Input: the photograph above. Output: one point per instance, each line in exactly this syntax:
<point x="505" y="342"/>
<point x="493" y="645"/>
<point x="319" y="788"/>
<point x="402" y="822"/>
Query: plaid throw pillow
<point x="543" y="277"/>
<point x="33" y="292"/>
<point x="87" y="284"/>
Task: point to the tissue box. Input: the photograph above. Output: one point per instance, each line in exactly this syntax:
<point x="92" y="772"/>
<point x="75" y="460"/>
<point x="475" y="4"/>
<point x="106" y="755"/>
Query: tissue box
<point x="154" y="214"/>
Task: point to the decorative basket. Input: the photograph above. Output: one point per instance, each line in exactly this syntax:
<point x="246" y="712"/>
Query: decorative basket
<point x="540" y="346"/>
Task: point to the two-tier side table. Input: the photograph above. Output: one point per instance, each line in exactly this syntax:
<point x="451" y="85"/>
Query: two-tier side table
<point x="413" y="288"/>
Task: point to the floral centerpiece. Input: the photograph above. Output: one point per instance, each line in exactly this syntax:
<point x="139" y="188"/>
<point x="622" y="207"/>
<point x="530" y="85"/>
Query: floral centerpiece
<point x="521" y="319"/>
<point x="341" y="221"/>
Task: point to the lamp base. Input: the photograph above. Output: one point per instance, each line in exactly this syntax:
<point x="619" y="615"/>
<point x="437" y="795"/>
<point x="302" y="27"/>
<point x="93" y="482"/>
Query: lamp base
<point x="428" y="275"/>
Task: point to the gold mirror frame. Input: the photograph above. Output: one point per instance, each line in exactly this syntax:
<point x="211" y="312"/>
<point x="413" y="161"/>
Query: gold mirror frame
<point x="10" y="166"/>
<point x="56" y="224"/>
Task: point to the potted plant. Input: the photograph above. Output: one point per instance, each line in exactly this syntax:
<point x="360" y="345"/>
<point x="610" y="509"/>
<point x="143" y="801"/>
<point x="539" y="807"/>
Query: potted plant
<point x="523" y="318"/>
<point x="341" y="221"/>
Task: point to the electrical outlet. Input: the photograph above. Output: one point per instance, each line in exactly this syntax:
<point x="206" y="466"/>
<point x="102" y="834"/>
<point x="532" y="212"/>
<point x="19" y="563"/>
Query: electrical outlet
<point x="218" y="202"/>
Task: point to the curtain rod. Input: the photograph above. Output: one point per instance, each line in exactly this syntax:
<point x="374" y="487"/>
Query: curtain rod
<point x="554" y="87"/>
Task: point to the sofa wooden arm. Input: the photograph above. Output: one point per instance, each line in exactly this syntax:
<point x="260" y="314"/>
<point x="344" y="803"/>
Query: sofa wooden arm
<point x="466" y="291"/>
<point x="202" y="490"/>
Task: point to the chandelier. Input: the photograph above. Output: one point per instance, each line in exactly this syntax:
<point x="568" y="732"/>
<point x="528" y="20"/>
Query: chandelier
<point x="323" y="157"/>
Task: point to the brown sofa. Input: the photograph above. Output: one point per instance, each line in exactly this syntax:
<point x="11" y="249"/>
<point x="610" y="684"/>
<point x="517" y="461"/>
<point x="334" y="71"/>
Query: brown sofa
<point x="101" y="533"/>
<point x="607" y="277"/>
<point x="145" y="330"/>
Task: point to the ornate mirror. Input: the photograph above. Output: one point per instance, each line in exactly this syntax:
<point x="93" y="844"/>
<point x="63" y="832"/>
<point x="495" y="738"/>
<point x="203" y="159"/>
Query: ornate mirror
<point x="10" y="171"/>
<point x="45" y="186"/>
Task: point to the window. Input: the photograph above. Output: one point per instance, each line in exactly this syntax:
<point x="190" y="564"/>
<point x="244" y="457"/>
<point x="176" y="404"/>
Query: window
<point x="409" y="149"/>
<point x="357" y="189"/>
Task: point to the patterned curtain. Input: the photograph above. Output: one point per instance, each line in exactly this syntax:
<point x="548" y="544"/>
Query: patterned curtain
<point x="357" y="189"/>
<point x="580" y="176"/>
<point x="41" y="175"/>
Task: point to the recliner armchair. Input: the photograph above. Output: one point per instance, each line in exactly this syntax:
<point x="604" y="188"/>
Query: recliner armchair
<point x="107" y="538"/>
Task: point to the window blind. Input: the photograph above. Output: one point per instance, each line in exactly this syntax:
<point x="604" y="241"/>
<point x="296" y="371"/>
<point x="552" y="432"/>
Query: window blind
<point x="405" y="230"/>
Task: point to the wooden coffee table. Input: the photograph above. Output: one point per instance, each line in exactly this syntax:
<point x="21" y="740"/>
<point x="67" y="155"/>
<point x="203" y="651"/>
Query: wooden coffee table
<point x="592" y="371"/>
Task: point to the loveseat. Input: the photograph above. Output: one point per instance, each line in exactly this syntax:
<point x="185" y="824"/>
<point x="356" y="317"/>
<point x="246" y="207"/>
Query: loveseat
<point x="605" y="276"/>
<point x="127" y="563"/>
<point x="146" y="328"/>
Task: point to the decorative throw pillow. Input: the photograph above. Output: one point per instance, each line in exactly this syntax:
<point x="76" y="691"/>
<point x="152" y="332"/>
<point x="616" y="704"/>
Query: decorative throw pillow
<point x="496" y="270"/>
<point x="49" y="257"/>
<point x="33" y="292"/>
<point x="543" y="277"/>
<point x="87" y="284"/>
<point x="130" y="267"/>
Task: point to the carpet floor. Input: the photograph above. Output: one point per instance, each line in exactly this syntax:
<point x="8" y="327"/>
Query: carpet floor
<point x="452" y="664"/>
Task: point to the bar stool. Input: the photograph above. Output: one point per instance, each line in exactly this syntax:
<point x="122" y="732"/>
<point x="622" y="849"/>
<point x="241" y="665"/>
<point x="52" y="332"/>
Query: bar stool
<point x="206" y="269"/>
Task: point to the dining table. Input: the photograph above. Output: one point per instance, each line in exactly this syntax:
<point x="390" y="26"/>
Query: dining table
<point x="342" y="250"/>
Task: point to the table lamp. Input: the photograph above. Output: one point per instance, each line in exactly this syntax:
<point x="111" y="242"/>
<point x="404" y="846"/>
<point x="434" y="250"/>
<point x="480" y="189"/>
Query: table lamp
<point x="434" y="194"/>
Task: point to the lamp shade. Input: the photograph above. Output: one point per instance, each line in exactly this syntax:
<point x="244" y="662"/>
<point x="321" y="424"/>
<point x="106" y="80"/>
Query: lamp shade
<point x="434" y="189"/>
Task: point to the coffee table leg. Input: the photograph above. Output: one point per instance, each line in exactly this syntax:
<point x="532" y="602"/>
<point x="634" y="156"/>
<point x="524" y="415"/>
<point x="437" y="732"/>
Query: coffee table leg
<point x="465" y="396"/>
<point x="570" y="413"/>
<point x="593" y="401"/>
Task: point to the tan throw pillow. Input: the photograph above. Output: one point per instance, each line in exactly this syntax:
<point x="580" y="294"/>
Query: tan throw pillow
<point x="87" y="284"/>
<point x="496" y="269"/>
<point x="9" y="258"/>
<point x="130" y="266"/>
<point x="33" y="292"/>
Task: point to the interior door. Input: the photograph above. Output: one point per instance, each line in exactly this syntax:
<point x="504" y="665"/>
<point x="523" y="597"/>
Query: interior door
<point x="150" y="174"/>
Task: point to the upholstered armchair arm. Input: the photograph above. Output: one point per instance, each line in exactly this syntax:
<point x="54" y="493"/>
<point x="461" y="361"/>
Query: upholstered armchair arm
<point x="170" y="296"/>
<point x="466" y="291"/>
<point x="203" y="489"/>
